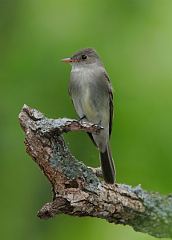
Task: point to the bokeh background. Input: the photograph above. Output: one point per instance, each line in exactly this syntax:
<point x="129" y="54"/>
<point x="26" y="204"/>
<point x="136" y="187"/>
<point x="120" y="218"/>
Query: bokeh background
<point x="134" y="39"/>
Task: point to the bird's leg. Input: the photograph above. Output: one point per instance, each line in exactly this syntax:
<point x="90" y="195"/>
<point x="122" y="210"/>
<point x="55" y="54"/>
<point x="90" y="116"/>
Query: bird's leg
<point x="99" y="123"/>
<point x="82" y="118"/>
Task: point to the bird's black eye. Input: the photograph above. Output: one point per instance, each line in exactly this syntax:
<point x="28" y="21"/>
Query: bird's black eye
<point x="84" y="57"/>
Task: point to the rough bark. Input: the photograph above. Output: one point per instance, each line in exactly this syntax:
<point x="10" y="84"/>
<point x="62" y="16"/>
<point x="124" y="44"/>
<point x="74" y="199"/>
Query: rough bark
<point x="76" y="188"/>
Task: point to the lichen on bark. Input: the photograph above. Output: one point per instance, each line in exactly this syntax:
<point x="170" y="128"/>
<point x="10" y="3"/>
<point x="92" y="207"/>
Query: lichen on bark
<point x="78" y="191"/>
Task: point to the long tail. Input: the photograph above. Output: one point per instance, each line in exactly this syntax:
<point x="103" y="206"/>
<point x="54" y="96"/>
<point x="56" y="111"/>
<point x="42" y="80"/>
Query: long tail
<point x="108" y="167"/>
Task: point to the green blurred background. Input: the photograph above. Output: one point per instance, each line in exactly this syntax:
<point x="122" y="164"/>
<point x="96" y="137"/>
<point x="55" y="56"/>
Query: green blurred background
<point x="134" y="39"/>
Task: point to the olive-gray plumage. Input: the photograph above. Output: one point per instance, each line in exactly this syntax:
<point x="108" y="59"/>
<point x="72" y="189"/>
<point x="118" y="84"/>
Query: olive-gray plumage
<point x="91" y="93"/>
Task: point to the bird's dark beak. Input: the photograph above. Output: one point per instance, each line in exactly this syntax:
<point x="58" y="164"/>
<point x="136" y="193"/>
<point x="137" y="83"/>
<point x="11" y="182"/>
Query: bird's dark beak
<point x="67" y="60"/>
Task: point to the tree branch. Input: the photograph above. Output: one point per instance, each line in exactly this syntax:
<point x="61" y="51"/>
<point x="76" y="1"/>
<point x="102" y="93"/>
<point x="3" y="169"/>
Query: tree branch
<point x="76" y="188"/>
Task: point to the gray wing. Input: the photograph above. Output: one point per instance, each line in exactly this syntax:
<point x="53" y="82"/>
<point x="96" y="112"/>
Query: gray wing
<point x="110" y="107"/>
<point x="110" y="104"/>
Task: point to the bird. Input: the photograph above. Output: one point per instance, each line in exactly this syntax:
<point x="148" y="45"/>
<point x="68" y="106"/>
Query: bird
<point x="92" y="96"/>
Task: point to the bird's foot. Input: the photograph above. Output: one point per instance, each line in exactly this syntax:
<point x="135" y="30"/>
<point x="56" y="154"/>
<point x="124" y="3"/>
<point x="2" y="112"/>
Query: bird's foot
<point x="99" y="124"/>
<point x="82" y="118"/>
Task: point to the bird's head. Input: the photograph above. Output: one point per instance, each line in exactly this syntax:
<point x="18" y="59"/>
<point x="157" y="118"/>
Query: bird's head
<point x="83" y="57"/>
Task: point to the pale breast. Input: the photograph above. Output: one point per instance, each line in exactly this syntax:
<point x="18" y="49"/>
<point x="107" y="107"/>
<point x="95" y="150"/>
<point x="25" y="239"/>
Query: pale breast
<point x="90" y="95"/>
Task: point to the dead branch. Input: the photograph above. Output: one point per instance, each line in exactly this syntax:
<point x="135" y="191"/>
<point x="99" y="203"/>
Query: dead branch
<point x="76" y="188"/>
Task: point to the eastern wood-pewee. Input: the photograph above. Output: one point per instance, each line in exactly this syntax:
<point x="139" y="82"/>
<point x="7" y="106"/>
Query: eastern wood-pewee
<point x="91" y="93"/>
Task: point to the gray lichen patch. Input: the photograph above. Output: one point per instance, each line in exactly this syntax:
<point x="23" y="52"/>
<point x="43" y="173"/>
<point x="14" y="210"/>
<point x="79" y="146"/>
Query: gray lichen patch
<point x="157" y="217"/>
<point x="64" y="161"/>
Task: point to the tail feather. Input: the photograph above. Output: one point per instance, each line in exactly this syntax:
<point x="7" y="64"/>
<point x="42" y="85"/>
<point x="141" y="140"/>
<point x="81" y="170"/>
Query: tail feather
<point x="107" y="165"/>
